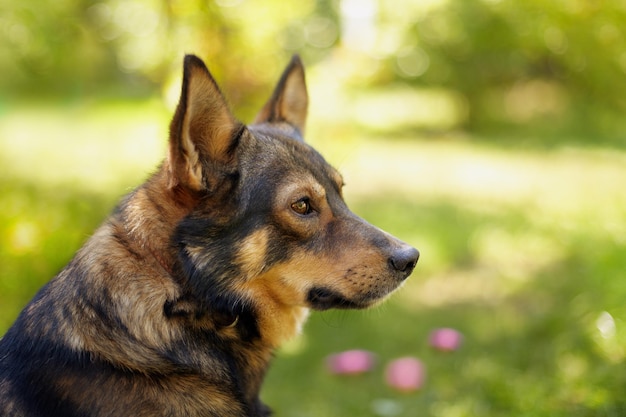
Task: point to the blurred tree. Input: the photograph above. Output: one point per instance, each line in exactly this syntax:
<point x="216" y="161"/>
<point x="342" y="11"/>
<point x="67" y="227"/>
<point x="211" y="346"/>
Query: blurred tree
<point x="523" y="61"/>
<point x="73" y="45"/>
<point x="49" y="44"/>
<point x="526" y="62"/>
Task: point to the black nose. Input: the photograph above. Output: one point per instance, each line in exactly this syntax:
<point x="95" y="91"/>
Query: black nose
<point x="403" y="260"/>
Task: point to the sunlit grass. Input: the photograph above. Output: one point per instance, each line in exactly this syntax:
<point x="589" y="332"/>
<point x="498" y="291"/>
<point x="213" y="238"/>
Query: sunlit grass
<point x="522" y="251"/>
<point x="93" y="146"/>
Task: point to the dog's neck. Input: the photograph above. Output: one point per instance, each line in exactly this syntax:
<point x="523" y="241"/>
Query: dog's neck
<point x="276" y="320"/>
<point x="145" y="222"/>
<point x="167" y="267"/>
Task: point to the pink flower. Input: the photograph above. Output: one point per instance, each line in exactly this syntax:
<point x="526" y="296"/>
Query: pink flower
<point x="445" y="339"/>
<point x="350" y="362"/>
<point x="405" y="374"/>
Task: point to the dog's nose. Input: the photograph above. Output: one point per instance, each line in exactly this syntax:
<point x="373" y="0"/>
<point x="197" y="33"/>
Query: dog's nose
<point x="403" y="260"/>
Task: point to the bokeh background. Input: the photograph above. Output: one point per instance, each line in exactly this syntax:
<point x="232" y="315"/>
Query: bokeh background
<point x="490" y="134"/>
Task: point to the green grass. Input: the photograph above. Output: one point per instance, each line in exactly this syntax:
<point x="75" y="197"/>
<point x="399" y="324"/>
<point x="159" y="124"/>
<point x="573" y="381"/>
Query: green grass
<point x="522" y="251"/>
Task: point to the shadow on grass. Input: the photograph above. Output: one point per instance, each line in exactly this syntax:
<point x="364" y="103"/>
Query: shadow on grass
<point x="508" y="137"/>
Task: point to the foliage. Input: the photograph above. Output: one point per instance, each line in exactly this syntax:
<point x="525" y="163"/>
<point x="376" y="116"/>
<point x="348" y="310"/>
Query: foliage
<point x="524" y="61"/>
<point x="558" y="65"/>
<point x="132" y="47"/>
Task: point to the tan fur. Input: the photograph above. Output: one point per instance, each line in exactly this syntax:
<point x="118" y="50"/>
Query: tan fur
<point x="251" y="253"/>
<point x="281" y="310"/>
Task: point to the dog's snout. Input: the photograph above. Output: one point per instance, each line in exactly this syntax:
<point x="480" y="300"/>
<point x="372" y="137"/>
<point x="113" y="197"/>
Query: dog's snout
<point x="403" y="260"/>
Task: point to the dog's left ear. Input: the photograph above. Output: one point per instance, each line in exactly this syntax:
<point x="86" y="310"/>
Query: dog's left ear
<point x="290" y="100"/>
<point x="203" y="134"/>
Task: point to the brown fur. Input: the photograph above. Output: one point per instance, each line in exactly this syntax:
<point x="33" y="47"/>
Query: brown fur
<point x="176" y="303"/>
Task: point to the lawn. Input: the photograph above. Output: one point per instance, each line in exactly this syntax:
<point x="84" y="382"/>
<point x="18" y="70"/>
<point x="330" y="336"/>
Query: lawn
<point x="523" y="251"/>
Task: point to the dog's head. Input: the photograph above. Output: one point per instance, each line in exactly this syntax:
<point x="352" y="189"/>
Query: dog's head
<point x="268" y="229"/>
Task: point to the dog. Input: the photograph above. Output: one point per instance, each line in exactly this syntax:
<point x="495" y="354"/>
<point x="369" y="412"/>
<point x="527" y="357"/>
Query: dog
<point x="175" y="305"/>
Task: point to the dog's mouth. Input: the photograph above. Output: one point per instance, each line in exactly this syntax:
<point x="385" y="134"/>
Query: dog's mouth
<point x="321" y="298"/>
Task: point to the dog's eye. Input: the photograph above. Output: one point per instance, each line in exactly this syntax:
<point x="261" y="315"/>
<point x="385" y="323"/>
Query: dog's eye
<point x="302" y="206"/>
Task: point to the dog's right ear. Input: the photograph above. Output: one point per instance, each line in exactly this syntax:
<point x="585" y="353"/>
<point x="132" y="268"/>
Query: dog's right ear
<point x="203" y="133"/>
<point x="290" y="100"/>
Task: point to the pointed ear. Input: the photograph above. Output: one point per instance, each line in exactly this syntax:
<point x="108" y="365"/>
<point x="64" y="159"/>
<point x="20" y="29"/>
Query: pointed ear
<point x="290" y="100"/>
<point x="203" y="132"/>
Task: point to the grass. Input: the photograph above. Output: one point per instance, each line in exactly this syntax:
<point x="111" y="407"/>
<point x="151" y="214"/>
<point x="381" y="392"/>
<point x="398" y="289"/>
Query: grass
<point x="522" y="251"/>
